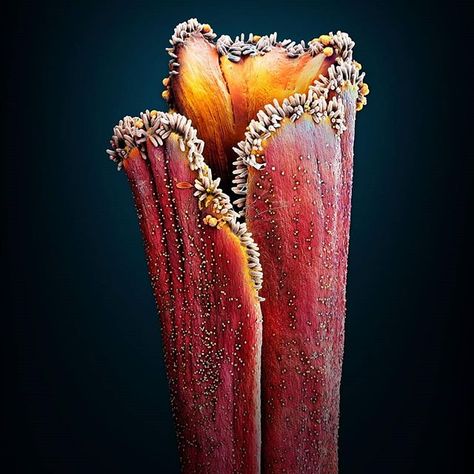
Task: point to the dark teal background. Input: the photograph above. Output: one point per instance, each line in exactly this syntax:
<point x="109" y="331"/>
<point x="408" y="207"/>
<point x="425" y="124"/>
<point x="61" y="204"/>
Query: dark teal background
<point x="85" y="385"/>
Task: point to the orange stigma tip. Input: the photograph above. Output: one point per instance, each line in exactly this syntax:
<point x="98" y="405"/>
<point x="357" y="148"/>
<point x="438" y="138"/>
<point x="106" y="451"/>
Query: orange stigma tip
<point x="328" y="51"/>
<point x="357" y="65"/>
<point x="210" y="221"/>
<point x="256" y="38"/>
<point x="359" y="106"/>
<point x="184" y="185"/>
<point x="165" y="95"/>
<point x="154" y="113"/>
<point x="364" y="89"/>
<point x="139" y="123"/>
<point x="166" y="81"/>
<point x="325" y="40"/>
<point x="206" y="28"/>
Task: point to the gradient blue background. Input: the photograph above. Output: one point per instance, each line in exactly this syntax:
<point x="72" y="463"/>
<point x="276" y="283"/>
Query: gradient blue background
<point x="85" y="383"/>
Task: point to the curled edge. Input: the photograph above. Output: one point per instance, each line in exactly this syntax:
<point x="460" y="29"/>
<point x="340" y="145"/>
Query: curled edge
<point x="252" y="45"/>
<point x="157" y="126"/>
<point x="323" y="102"/>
